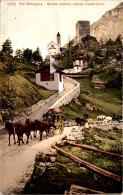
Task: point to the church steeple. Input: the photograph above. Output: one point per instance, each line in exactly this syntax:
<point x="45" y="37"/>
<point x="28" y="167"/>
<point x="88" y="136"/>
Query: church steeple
<point x="58" y="39"/>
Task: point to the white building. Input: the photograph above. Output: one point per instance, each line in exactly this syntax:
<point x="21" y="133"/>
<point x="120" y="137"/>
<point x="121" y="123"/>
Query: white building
<point x="77" y="64"/>
<point x="54" y="48"/>
<point x="50" y="81"/>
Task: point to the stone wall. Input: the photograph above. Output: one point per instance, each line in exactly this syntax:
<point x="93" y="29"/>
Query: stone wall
<point x="24" y="114"/>
<point x="65" y="99"/>
<point x="69" y="96"/>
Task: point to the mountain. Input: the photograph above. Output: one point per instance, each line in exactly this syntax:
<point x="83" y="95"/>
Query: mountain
<point x="110" y="24"/>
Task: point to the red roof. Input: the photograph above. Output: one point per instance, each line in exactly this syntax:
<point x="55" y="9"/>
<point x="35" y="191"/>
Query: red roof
<point x="46" y="68"/>
<point x="79" y="58"/>
<point x="58" y="34"/>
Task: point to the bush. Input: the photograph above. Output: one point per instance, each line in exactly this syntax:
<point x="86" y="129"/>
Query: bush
<point x="114" y="78"/>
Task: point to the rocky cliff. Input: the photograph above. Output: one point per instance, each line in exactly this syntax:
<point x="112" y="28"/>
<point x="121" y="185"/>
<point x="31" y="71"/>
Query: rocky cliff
<point x="110" y="24"/>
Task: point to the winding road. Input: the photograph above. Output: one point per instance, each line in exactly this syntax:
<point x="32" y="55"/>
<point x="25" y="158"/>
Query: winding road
<point x="16" y="163"/>
<point x="37" y="114"/>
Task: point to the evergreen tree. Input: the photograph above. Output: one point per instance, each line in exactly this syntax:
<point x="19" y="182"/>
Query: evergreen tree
<point x="27" y="55"/>
<point x="7" y="48"/>
<point x="110" y="42"/>
<point x="37" y="56"/>
<point x="118" y="40"/>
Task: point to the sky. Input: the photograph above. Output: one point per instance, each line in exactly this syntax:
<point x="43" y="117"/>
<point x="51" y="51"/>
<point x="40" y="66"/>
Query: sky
<point x="32" y="26"/>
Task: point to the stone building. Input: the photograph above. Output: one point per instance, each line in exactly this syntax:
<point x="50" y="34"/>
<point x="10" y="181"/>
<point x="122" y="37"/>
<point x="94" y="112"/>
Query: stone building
<point x="82" y="29"/>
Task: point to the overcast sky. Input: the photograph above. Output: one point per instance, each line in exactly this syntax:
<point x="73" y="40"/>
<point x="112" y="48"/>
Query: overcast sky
<point x="29" y="26"/>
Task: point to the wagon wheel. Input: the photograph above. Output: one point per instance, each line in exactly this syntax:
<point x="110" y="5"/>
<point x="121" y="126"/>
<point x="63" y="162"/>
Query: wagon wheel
<point x="52" y="131"/>
<point x="61" y="129"/>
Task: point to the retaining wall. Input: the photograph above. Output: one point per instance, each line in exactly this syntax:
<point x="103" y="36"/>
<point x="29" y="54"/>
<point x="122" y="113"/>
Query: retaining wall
<point x="24" y="114"/>
<point x="69" y="96"/>
<point x="65" y="99"/>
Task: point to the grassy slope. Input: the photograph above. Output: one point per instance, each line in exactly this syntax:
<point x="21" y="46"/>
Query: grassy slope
<point x="17" y="87"/>
<point x="108" y="100"/>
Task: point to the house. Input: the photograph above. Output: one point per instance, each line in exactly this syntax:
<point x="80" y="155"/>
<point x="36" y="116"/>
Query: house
<point x="77" y="64"/>
<point x="51" y="81"/>
<point x="54" y="48"/>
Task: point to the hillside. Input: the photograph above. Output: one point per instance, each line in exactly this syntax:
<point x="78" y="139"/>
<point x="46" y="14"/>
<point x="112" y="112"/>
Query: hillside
<point x="17" y="91"/>
<point x="109" y="25"/>
<point x="107" y="101"/>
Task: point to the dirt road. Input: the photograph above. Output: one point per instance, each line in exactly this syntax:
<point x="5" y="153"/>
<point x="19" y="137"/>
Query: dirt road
<point x="16" y="162"/>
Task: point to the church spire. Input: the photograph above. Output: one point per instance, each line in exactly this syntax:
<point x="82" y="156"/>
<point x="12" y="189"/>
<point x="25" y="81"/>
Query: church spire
<point x="58" y="36"/>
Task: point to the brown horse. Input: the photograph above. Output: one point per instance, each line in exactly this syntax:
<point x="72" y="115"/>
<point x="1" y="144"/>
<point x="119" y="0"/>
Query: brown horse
<point x="11" y="130"/>
<point x="43" y="126"/>
<point x="19" y="130"/>
<point x="23" y="129"/>
<point x="32" y="126"/>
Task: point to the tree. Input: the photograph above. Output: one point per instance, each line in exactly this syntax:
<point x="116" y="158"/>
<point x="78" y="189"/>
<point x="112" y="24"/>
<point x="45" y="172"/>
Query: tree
<point x="37" y="56"/>
<point x="70" y="43"/>
<point x="68" y="62"/>
<point x="27" y="55"/>
<point x="110" y="42"/>
<point x="7" y="48"/>
<point x="118" y="40"/>
<point x="18" y="53"/>
<point x="89" y="43"/>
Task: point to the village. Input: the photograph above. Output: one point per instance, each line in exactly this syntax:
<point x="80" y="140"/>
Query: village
<point x="63" y="116"/>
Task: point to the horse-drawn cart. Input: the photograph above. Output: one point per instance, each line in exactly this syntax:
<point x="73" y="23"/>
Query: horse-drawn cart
<point x="52" y="120"/>
<point x="54" y="117"/>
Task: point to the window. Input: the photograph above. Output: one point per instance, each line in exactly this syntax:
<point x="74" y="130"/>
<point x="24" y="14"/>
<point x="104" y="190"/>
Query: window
<point x="52" y="47"/>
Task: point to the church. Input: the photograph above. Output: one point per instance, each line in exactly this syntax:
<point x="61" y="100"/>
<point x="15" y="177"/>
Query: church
<point x="54" y="48"/>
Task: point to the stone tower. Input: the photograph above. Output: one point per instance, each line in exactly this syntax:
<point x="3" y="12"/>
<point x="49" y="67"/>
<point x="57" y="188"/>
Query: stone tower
<point x="82" y="29"/>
